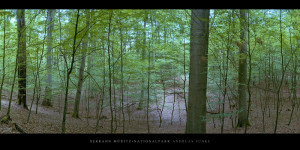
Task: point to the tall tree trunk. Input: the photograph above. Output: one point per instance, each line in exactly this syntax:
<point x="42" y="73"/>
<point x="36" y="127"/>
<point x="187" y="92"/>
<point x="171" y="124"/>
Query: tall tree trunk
<point x="103" y="89"/>
<point x="36" y="86"/>
<point x="113" y="84"/>
<point x="12" y="88"/>
<point x="21" y="57"/>
<point x="196" y="113"/>
<point x="282" y="75"/>
<point x="148" y="92"/>
<point x="294" y="77"/>
<point x="184" y="73"/>
<point x="122" y="80"/>
<point x="3" y="60"/>
<point x="140" y="106"/>
<point x="242" y="74"/>
<point x="250" y="73"/>
<point x="48" y="90"/>
<point x="63" y="129"/>
<point x="60" y="49"/>
<point x="225" y="68"/>
<point x="81" y="71"/>
<point x="109" y="72"/>
<point x="174" y="94"/>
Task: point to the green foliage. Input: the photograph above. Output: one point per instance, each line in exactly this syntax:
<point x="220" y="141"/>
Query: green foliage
<point x="167" y="39"/>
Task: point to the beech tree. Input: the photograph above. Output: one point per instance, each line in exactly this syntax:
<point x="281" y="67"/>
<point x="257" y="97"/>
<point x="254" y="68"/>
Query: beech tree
<point x="81" y="71"/>
<point x="48" y="89"/>
<point x="196" y="114"/>
<point x="141" y="102"/>
<point x="70" y="69"/>
<point x="3" y="60"/>
<point x="242" y="74"/>
<point x="21" y="57"/>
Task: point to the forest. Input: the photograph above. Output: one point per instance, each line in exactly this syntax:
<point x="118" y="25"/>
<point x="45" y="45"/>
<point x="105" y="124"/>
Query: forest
<point x="149" y="71"/>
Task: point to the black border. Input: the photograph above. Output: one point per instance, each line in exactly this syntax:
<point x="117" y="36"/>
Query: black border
<point x="174" y="140"/>
<point x="199" y="140"/>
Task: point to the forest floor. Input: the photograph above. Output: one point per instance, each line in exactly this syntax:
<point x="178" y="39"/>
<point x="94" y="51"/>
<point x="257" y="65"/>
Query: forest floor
<point x="49" y="119"/>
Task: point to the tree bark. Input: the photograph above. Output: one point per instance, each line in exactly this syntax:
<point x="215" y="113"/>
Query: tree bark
<point x="140" y="106"/>
<point x="63" y="130"/>
<point x="122" y="78"/>
<point x="282" y="75"/>
<point x="109" y="72"/>
<point x="48" y="90"/>
<point x="242" y="74"/>
<point x="12" y="87"/>
<point x="36" y="88"/>
<point x="81" y="72"/>
<point x="196" y="113"/>
<point x="3" y="60"/>
<point x="21" y="57"/>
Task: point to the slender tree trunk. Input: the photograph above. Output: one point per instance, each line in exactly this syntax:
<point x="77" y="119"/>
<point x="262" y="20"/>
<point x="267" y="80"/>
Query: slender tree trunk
<point x="226" y="68"/>
<point x="148" y="91"/>
<point x="282" y="77"/>
<point x="115" y="108"/>
<point x="12" y="88"/>
<point x="22" y="57"/>
<point x="90" y="64"/>
<point x="174" y="95"/>
<point x="294" y="80"/>
<point x="128" y="106"/>
<point x="122" y="80"/>
<point x="60" y="49"/>
<point x="36" y="77"/>
<point x="196" y="114"/>
<point x="38" y="64"/>
<point x="250" y="73"/>
<point x="38" y="93"/>
<point x="103" y="89"/>
<point x="140" y="106"/>
<point x="163" y="106"/>
<point x="109" y="73"/>
<point x="48" y="90"/>
<point x="3" y="59"/>
<point x="81" y="71"/>
<point x="79" y="85"/>
<point x="184" y="81"/>
<point x="63" y="130"/>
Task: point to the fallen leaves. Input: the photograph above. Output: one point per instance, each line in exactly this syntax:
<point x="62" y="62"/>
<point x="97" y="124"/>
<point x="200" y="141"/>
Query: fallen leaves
<point x="49" y="120"/>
